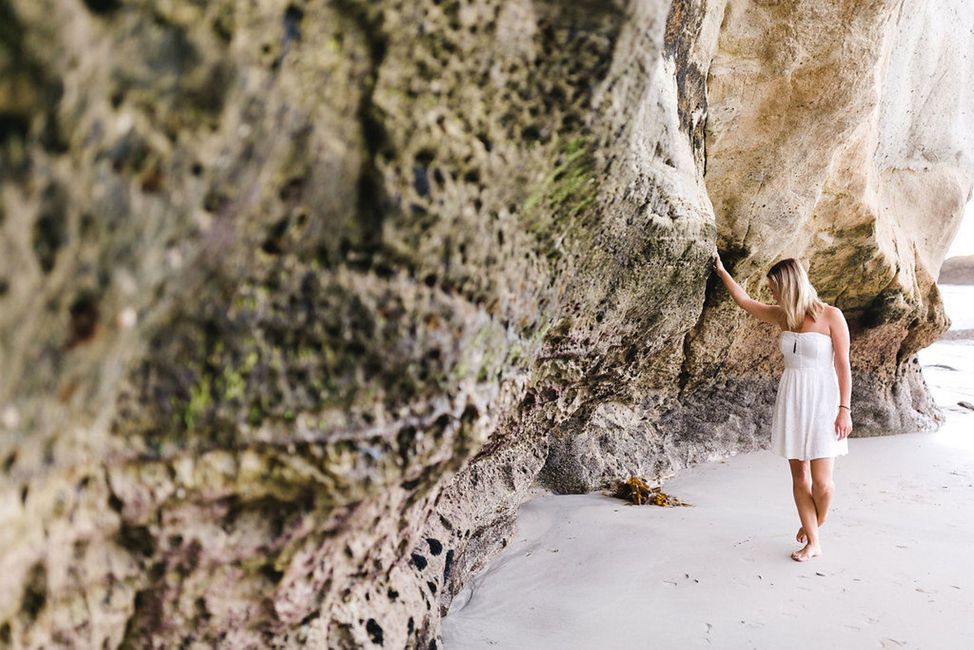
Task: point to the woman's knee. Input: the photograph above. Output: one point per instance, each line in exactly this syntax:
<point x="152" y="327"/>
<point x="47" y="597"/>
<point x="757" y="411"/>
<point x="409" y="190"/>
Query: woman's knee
<point x="801" y="482"/>
<point x="823" y="487"/>
<point x="801" y="475"/>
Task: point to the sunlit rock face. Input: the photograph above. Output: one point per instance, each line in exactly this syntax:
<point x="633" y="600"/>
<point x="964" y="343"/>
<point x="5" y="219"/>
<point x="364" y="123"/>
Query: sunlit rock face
<point x="298" y="300"/>
<point x="833" y="137"/>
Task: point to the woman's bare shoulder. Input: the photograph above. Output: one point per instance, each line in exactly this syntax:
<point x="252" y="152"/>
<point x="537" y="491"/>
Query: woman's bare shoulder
<point x="831" y="311"/>
<point x="834" y="317"/>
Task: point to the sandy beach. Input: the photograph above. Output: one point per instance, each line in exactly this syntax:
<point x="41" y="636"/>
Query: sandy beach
<point x="897" y="570"/>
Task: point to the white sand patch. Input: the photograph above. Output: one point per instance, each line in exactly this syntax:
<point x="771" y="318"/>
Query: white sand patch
<point x="589" y="571"/>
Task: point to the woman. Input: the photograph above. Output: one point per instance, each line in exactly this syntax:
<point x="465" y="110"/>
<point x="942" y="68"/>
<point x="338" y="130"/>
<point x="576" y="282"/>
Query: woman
<point x="811" y="419"/>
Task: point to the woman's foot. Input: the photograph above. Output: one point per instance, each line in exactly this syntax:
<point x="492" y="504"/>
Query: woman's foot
<point x="806" y="552"/>
<point x="801" y="536"/>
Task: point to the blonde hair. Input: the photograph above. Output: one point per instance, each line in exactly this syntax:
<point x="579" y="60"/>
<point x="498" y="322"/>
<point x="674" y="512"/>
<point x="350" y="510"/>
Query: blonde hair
<point x="798" y="296"/>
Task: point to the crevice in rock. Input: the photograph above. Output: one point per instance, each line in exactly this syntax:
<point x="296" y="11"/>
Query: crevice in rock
<point x="373" y="204"/>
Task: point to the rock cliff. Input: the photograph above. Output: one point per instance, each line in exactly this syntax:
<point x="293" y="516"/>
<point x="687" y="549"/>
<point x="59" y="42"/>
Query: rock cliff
<point x="957" y="270"/>
<point x="299" y="299"/>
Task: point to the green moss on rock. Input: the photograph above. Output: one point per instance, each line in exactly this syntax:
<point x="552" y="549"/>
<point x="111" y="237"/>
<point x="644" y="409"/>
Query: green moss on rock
<point x="555" y="211"/>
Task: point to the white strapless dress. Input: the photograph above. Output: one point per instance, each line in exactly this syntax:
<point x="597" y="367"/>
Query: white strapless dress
<point x="803" y="419"/>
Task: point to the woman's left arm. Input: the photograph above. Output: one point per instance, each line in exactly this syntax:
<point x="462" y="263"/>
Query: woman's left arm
<point x="840" y="344"/>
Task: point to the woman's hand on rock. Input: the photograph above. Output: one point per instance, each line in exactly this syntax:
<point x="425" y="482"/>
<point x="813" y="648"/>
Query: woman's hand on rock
<point x="718" y="265"/>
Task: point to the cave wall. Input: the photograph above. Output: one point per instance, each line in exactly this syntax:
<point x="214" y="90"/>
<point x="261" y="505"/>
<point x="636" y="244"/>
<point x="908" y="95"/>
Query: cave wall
<point x="298" y="300"/>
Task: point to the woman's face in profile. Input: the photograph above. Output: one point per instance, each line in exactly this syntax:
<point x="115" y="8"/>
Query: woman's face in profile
<point x="771" y="288"/>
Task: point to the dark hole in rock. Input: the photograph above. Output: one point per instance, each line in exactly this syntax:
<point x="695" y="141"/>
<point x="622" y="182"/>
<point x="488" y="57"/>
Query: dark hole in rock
<point x="137" y="540"/>
<point x="421" y="181"/>
<point x="440" y="424"/>
<point x="291" y="190"/>
<point x="87" y="224"/>
<point x="374" y="630"/>
<point x="102" y="7"/>
<point x="436" y="547"/>
<point x="35" y="591"/>
<point x="470" y="413"/>
<point x="631" y="354"/>
<point x="419" y="561"/>
<point x="424" y="157"/>
<point x="84" y="319"/>
<point x="272" y="245"/>
<point x="214" y="200"/>
<point x="13" y="125"/>
<point x="272" y="573"/>
<point x="201" y="609"/>
<point x="405" y="439"/>
<point x="531" y="132"/>
<point x="292" y="24"/>
<point x="447" y="565"/>
<point x="222" y="28"/>
<point x="392" y="593"/>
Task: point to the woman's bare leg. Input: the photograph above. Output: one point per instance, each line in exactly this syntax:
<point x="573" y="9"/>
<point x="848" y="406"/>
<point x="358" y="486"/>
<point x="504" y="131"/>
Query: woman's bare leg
<point x="801" y="478"/>
<point x="823" y="488"/>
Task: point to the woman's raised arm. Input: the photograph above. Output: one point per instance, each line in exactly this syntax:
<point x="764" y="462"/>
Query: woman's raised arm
<point x="761" y="311"/>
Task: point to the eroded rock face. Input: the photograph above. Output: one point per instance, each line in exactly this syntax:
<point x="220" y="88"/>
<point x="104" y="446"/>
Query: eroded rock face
<point x="299" y="300"/>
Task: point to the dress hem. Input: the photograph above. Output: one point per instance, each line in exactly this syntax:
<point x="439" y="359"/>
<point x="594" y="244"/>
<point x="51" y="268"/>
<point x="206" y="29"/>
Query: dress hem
<point x="841" y="453"/>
